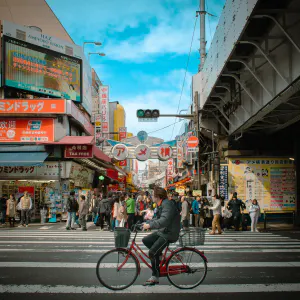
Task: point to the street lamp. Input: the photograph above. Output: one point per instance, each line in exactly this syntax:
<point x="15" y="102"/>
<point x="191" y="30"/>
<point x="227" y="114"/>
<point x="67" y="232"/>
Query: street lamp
<point x="94" y="43"/>
<point x="98" y="53"/>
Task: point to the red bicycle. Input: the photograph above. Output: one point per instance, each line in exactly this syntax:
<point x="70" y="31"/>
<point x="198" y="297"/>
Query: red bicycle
<point x="185" y="267"/>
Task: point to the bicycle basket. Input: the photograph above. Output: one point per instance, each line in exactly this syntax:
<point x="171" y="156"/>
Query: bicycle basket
<point x="192" y="237"/>
<point x="122" y="237"/>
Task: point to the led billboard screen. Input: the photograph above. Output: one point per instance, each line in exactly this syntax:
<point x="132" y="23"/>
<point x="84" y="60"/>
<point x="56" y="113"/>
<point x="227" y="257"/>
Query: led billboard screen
<point x="33" y="68"/>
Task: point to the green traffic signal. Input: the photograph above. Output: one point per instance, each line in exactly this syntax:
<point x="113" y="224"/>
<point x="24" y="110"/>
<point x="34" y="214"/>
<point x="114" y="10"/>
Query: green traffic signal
<point x="101" y="177"/>
<point x="140" y="113"/>
<point x="148" y="113"/>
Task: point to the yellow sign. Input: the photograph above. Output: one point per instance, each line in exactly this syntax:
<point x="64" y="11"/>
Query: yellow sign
<point x="97" y="123"/>
<point x="271" y="181"/>
<point x="180" y="191"/>
<point x="197" y="193"/>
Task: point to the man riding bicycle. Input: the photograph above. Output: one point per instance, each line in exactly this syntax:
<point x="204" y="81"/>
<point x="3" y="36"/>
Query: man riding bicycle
<point x="167" y="221"/>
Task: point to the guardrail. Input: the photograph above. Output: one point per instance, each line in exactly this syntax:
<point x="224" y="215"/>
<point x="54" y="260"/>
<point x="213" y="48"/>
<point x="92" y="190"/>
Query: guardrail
<point x="272" y="212"/>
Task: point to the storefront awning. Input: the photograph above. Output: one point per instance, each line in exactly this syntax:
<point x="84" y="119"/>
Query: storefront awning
<point x="72" y="140"/>
<point x="15" y="159"/>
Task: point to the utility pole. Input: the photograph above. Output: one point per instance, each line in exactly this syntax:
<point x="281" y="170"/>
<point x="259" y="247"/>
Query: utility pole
<point x="197" y="127"/>
<point x="202" y="13"/>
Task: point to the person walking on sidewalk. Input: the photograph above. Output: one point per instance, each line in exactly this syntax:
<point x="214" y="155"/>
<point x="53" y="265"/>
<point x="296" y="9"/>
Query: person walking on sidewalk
<point x="195" y="209"/>
<point x="235" y="206"/>
<point x="216" y="208"/>
<point x="72" y="208"/>
<point x="83" y="212"/>
<point x="25" y="206"/>
<point x="254" y="211"/>
<point x="11" y="210"/>
<point x="185" y="213"/>
<point x="3" y="208"/>
<point x="105" y="211"/>
<point x="130" y="206"/>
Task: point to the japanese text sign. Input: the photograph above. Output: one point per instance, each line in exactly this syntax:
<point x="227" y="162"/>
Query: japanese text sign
<point x="26" y="130"/>
<point x="170" y="168"/>
<point x="120" y="152"/>
<point x="78" y="151"/>
<point x="122" y="133"/>
<point x="179" y="154"/>
<point x="104" y="106"/>
<point x="123" y="163"/>
<point x="164" y="152"/>
<point x="142" y="152"/>
<point x="40" y="106"/>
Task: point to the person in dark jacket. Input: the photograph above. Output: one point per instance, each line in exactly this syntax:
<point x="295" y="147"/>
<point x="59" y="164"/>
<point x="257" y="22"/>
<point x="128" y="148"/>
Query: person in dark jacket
<point x="105" y="208"/>
<point x="3" y="208"/>
<point x="235" y="206"/>
<point x="167" y="221"/>
<point x="72" y="208"/>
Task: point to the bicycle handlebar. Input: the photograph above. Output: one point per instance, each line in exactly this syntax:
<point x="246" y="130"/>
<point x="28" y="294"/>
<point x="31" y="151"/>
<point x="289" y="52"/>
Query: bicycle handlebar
<point x="136" y="226"/>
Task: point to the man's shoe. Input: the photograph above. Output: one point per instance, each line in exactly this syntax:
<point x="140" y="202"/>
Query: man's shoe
<point x="84" y="229"/>
<point x="151" y="281"/>
<point x="67" y="228"/>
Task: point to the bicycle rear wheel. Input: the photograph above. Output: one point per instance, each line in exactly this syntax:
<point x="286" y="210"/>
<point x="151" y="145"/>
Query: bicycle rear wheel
<point x="117" y="269"/>
<point x="186" y="269"/>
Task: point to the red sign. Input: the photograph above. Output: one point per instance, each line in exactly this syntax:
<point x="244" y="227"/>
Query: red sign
<point x="28" y="106"/>
<point x="192" y="142"/>
<point x="78" y="151"/>
<point x="26" y="130"/>
<point x="123" y="163"/>
<point x="122" y="133"/>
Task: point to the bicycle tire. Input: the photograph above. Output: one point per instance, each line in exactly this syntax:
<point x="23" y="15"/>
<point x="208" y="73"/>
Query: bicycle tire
<point x="201" y="258"/>
<point x="125" y="253"/>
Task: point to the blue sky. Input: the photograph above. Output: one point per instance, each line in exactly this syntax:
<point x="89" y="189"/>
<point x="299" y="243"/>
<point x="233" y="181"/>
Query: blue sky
<point x="146" y="43"/>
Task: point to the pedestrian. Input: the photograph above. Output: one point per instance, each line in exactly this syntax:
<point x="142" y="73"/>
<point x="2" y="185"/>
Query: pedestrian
<point x="72" y="208"/>
<point x="122" y="213"/>
<point x="202" y="212"/>
<point x="83" y="212"/>
<point x="130" y="206"/>
<point x="217" y="210"/>
<point x="185" y="213"/>
<point x="195" y="209"/>
<point x="3" y="208"/>
<point x="25" y="206"/>
<point x="235" y="206"/>
<point x="115" y="212"/>
<point x="105" y="211"/>
<point x="254" y="211"/>
<point x="139" y="208"/>
<point x="11" y="210"/>
<point x="93" y="206"/>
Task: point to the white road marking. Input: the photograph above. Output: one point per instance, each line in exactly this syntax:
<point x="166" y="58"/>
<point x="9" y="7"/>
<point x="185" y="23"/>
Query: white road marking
<point x="131" y="265"/>
<point x="159" y="289"/>
<point x="45" y="227"/>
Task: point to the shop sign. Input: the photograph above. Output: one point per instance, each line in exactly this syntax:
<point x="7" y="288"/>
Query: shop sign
<point x="223" y="181"/>
<point x="26" y="130"/>
<point x="179" y="154"/>
<point x="120" y="152"/>
<point x="78" y="151"/>
<point x="122" y="133"/>
<point x="40" y="106"/>
<point x="164" y="152"/>
<point x="104" y="107"/>
<point x="123" y="163"/>
<point x="170" y="169"/>
<point x="98" y="130"/>
<point x="180" y="191"/>
<point x="142" y="152"/>
<point x="197" y="193"/>
<point x="48" y="169"/>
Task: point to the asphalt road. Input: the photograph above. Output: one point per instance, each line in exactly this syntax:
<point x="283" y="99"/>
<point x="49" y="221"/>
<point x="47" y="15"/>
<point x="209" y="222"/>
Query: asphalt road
<point x="51" y="263"/>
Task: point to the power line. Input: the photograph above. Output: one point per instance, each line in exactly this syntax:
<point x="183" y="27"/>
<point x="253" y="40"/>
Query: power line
<point x="186" y="68"/>
<point x="165" y="127"/>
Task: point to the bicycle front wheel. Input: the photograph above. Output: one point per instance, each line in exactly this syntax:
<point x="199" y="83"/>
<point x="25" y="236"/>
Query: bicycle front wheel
<point x="117" y="269"/>
<point x="186" y="268"/>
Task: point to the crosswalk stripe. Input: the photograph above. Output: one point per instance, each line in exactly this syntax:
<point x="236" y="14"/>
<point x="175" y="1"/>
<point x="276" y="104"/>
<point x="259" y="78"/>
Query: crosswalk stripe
<point x="131" y="265"/>
<point x="160" y="289"/>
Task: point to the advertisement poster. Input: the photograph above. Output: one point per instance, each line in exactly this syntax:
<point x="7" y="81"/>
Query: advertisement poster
<point x="26" y="130"/>
<point x="269" y="180"/>
<point x="36" y="69"/>
<point x="29" y="189"/>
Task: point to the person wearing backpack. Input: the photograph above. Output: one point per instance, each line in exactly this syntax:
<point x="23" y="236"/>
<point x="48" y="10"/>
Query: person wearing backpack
<point x="104" y="212"/>
<point x="72" y="207"/>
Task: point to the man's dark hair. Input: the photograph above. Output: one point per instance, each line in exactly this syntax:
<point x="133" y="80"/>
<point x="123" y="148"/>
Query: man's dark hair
<point x="190" y="194"/>
<point x="160" y="193"/>
<point x="109" y="195"/>
<point x="72" y="193"/>
<point x="234" y="195"/>
<point x="82" y="197"/>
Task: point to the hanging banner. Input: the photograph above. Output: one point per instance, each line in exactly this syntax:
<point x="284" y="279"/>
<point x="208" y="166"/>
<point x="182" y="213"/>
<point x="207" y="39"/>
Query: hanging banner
<point x="271" y="181"/>
<point x="104" y="107"/>
<point x="170" y="169"/>
<point x="179" y="154"/>
<point x="223" y="182"/>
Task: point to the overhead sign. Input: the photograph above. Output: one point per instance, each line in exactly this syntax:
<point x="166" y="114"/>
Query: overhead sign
<point x="164" y="152"/>
<point x="40" y="106"/>
<point x="120" y="152"/>
<point x="142" y="136"/>
<point x="36" y="69"/>
<point x="104" y="107"/>
<point x="26" y="130"/>
<point x="78" y="151"/>
<point x="142" y="152"/>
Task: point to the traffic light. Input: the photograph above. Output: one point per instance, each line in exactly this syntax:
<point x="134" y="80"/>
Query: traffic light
<point x="147" y="113"/>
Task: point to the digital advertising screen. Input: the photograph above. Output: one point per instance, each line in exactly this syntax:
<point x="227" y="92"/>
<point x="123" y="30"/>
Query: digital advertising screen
<point x="33" y="68"/>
